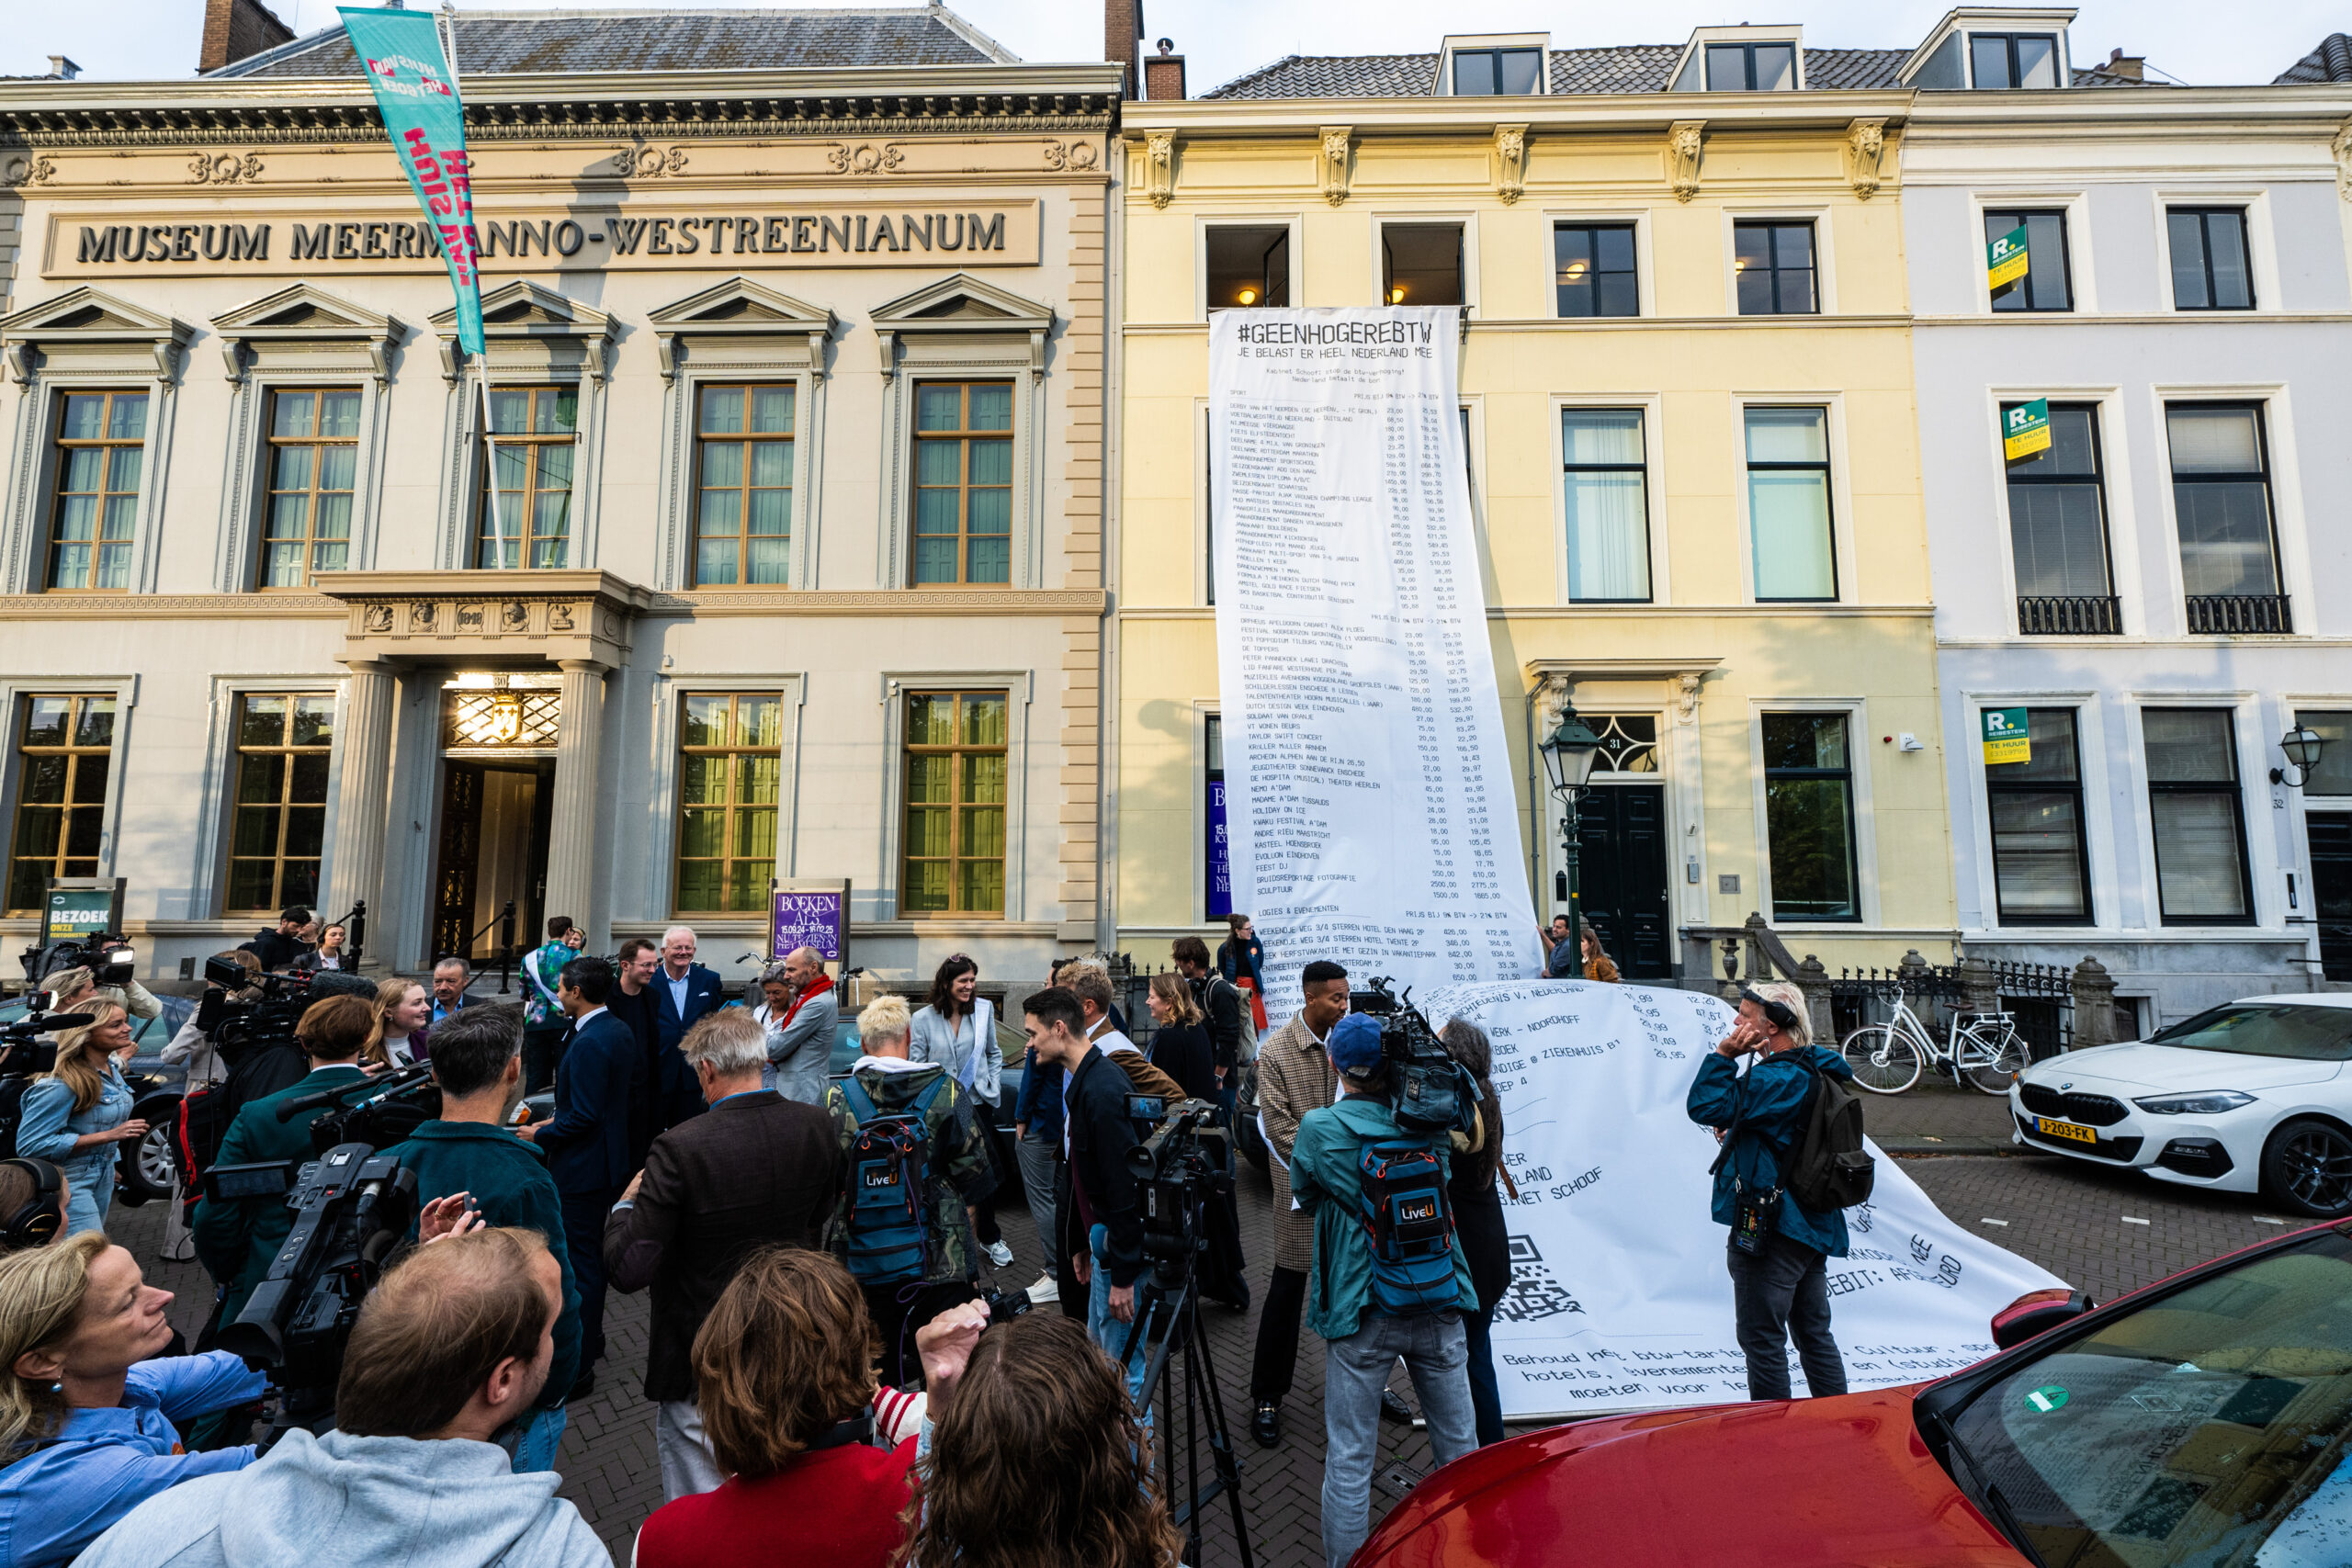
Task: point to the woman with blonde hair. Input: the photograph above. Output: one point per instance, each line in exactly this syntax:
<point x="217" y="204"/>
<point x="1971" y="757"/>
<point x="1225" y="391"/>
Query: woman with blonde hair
<point x="90" y="1404"/>
<point x="403" y="1012"/>
<point x="77" y="1115"/>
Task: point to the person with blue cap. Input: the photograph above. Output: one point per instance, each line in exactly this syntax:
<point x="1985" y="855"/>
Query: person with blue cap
<point x="1391" y="1280"/>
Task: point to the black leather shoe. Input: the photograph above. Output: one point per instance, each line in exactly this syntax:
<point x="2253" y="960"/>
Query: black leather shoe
<point x="1394" y="1408"/>
<point x="1267" y="1425"/>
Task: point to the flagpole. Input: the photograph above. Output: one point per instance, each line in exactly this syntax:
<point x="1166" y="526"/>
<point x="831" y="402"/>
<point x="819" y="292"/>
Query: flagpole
<point x="447" y="22"/>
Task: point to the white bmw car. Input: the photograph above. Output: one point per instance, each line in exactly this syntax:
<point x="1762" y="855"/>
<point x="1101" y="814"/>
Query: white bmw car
<point x="2252" y="1097"/>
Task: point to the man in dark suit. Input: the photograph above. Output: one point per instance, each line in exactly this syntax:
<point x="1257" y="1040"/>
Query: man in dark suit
<point x="237" y="1237"/>
<point x="758" y="1171"/>
<point x="682" y="992"/>
<point x="587" y="1141"/>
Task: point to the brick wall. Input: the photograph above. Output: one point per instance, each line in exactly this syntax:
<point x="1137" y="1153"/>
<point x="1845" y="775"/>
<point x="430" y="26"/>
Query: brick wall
<point x="236" y="28"/>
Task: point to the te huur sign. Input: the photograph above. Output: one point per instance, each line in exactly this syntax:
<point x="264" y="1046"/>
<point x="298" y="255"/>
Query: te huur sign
<point x="965" y="234"/>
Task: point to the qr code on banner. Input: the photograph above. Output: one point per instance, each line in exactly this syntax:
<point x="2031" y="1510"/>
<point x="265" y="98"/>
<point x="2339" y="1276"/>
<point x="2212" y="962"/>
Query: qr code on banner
<point x="1535" y="1291"/>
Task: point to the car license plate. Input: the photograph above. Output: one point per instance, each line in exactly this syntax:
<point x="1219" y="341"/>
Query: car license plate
<point x="2067" y="1130"/>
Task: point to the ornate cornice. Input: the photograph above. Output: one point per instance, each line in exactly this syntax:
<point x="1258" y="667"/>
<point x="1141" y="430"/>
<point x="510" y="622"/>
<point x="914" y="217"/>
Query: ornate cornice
<point x="407" y="588"/>
<point x="273" y="606"/>
<point x="559" y="117"/>
<point x="797" y="603"/>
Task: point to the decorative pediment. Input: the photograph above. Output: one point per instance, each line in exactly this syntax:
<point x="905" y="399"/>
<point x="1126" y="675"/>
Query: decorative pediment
<point x="741" y="307"/>
<point x="522" y="311"/>
<point x="962" y="303"/>
<point x="304" y="313"/>
<point x="89" y="316"/>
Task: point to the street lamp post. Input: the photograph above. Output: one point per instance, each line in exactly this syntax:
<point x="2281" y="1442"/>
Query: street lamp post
<point x="2302" y="746"/>
<point x="1568" y="755"/>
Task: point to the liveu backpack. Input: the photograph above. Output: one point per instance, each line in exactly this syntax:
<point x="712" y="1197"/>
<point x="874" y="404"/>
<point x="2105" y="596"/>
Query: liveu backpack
<point x="1408" y="1225"/>
<point x="1829" y="1168"/>
<point x="889" y="1176"/>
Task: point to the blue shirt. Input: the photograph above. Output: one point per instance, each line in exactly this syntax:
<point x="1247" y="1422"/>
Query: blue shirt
<point x="103" y="1463"/>
<point x="50" y="1124"/>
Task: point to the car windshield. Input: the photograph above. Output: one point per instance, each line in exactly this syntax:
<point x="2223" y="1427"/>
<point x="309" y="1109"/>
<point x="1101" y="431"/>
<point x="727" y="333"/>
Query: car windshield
<point x="2208" y="1427"/>
<point x="2267" y="1029"/>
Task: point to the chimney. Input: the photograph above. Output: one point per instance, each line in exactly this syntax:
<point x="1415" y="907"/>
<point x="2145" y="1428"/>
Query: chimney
<point x="62" y="69"/>
<point x="234" y="29"/>
<point x="1163" y="74"/>
<point x="2130" y="67"/>
<point x="1122" y="28"/>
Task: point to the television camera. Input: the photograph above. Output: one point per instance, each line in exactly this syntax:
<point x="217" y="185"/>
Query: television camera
<point x="1429" y="1091"/>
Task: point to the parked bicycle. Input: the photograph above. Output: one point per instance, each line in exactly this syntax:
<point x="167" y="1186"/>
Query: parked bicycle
<point x="1984" y="1050"/>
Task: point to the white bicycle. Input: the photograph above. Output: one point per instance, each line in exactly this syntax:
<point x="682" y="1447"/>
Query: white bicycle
<point x="1984" y="1050"/>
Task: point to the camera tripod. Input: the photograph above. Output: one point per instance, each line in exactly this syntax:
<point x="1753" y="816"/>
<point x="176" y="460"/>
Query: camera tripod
<point x="1170" y="1296"/>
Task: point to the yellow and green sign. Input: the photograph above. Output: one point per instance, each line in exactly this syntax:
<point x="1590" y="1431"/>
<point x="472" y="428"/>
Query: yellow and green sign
<point x="2025" y="429"/>
<point x="2004" y="259"/>
<point x="2005" y="737"/>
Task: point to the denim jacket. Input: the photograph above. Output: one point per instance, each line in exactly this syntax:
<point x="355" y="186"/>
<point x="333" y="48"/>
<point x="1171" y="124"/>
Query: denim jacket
<point x="50" y="1124"/>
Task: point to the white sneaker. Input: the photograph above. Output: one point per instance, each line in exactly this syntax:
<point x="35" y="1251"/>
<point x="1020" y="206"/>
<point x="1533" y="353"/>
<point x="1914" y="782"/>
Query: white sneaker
<point x="1043" y="1290"/>
<point x="999" y="1255"/>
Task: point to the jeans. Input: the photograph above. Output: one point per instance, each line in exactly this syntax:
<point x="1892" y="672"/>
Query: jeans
<point x="536" y="1449"/>
<point x="86" y="1201"/>
<point x="1108" y="1331"/>
<point x="1354" y="1371"/>
<point x="1277" y="1357"/>
<point x="1037" y="1153"/>
<point x="583" y="1238"/>
<point x="1780" y="1294"/>
<point x="1486" y="1396"/>
<point x="688" y="1467"/>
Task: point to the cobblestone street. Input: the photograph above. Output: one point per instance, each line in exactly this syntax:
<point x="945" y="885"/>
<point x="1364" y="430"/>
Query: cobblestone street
<point x="2105" y="1231"/>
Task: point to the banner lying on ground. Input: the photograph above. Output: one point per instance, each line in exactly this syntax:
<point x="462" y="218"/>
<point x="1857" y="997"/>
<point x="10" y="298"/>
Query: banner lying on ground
<point x="1368" y="792"/>
<point x="1619" y="1298"/>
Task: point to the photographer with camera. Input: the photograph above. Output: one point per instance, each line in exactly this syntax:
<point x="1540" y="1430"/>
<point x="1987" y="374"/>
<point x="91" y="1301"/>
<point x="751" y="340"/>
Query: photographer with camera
<point x="73" y="990"/>
<point x="913" y="1169"/>
<point x="1103" y="1231"/>
<point x="77" y="1114"/>
<point x="193" y="1048"/>
<point x="1033" y="1455"/>
<point x="1779" y="1247"/>
<point x="1390" y="1278"/>
<point x="758" y="1169"/>
<point x="783" y="1373"/>
<point x="236" y="1239"/>
<point x="455" y="1343"/>
<point x="90" y="1400"/>
<point x="468" y="1153"/>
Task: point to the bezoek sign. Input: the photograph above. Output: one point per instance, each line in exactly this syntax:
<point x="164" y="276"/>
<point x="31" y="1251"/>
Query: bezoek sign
<point x="962" y="234"/>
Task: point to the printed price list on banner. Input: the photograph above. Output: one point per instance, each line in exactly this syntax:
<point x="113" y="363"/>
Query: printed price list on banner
<point x="1361" y="718"/>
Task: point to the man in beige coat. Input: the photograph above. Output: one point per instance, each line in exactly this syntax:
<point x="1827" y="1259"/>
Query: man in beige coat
<point x="1295" y="1077"/>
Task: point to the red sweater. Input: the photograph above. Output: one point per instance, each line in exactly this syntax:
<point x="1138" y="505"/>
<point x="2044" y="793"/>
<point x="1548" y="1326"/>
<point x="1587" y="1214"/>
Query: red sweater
<point x="837" y="1506"/>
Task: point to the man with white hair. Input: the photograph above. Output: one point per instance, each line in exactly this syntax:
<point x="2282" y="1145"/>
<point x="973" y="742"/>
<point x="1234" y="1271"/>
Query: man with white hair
<point x="683" y="992"/>
<point x="758" y="1170"/>
<point x="800" y="1043"/>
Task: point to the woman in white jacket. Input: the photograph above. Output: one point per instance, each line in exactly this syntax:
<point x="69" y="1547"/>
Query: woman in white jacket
<point x="956" y="1029"/>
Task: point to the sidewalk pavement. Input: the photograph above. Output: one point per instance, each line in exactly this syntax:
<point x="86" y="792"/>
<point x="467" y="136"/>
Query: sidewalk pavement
<point x="1934" y="1118"/>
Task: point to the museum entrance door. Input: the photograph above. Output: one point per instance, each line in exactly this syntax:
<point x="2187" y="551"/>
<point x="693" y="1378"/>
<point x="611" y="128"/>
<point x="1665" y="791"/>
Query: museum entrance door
<point x="496" y="805"/>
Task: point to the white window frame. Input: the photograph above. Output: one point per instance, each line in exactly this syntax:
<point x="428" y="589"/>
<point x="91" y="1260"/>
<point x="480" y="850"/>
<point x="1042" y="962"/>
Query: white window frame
<point x="2082" y="274"/>
<point x="2115" y="478"/>
<point x="1743" y="33"/>
<point x="1855" y="710"/>
<point x="2261" y="246"/>
<point x="2091" y="761"/>
<point x="244" y="498"/>
<point x="1293" y="221"/>
<point x="1841" y="498"/>
<point x="1645" y="272"/>
<point x="1653" y="407"/>
<point x="1825" y="254"/>
<point x="1465" y="218"/>
<point x="677" y="468"/>
<point x="1479" y="43"/>
<point x="2287" y="517"/>
<point x="1020" y="689"/>
<point x="2265" y="888"/>
<point x="459" y="523"/>
<point x="33" y="492"/>
<point x="1004" y="358"/>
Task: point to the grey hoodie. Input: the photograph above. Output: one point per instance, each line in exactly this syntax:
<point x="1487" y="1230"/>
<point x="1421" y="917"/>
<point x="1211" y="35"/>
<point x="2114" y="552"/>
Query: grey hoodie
<point x="359" y="1501"/>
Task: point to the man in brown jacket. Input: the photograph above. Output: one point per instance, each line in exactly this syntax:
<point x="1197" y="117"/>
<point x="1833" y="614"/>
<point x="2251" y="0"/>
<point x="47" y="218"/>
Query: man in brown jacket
<point x="755" y="1170"/>
<point x="1295" y="1077"/>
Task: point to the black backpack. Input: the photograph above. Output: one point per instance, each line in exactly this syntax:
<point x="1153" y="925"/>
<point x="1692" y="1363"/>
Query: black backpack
<point x="1828" y="1169"/>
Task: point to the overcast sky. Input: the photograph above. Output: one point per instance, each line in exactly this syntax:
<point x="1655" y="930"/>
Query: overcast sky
<point x="1222" y="38"/>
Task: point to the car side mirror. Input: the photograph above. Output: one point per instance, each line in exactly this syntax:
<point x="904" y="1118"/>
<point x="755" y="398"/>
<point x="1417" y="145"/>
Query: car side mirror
<point x="2037" y="1312"/>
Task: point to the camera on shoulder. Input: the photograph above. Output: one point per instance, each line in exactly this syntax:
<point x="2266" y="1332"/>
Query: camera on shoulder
<point x="1428" y="1090"/>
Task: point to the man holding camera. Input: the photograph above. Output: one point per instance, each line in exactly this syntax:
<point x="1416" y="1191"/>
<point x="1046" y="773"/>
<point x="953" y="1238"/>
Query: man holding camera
<point x="1295" y="1077"/>
<point x="1379" y="1293"/>
<point x="456" y="1343"/>
<point x="469" y="1153"/>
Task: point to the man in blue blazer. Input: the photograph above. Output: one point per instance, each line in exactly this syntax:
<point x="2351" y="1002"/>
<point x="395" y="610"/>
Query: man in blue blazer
<point x="587" y="1142"/>
<point x="684" y="991"/>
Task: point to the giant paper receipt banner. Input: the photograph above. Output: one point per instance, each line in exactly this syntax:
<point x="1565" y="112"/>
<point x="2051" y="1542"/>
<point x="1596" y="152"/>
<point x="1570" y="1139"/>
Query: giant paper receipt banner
<point x="1619" y="1299"/>
<point x="1368" y="794"/>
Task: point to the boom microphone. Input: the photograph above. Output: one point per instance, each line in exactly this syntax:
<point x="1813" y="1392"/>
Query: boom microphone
<point x="338" y="983"/>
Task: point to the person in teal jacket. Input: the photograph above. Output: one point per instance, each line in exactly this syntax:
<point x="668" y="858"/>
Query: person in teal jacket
<point x="469" y="1153"/>
<point x="1780" y="1285"/>
<point x="1361" y="1344"/>
<point x="236" y="1239"/>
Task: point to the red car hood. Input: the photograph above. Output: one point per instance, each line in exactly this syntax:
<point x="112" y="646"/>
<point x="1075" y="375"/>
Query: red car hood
<point x="1842" y="1483"/>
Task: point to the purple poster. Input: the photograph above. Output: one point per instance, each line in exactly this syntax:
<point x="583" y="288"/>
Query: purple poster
<point x="1220" y="861"/>
<point x="806" y="919"/>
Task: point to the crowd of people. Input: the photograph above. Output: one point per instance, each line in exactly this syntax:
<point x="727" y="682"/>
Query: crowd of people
<point x="834" y="1374"/>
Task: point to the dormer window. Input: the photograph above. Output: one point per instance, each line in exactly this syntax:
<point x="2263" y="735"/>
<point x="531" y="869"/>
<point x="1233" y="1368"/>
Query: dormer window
<point x="1497" y="72"/>
<point x="2013" y="59"/>
<point x="1751" y="67"/>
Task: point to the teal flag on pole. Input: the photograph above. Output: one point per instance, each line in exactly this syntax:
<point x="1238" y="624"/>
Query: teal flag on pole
<point x="417" y="93"/>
